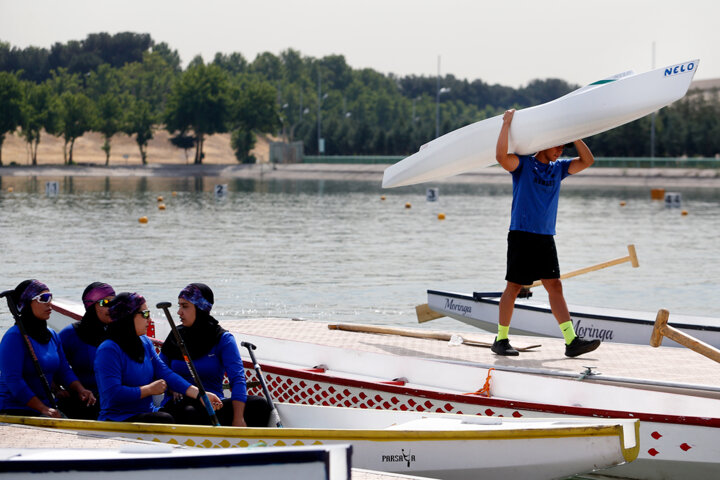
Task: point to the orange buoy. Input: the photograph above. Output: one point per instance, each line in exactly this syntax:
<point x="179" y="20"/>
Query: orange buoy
<point x="161" y="206"/>
<point x="382" y="197"/>
<point x="407" y="205"/>
<point x="657" y="193"/>
<point x="441" y="216"/>
<point x="160" y="199"/>
<point x="684" y="212"/>
<point x="622" y="203"/>
<point x="143" y="219"/>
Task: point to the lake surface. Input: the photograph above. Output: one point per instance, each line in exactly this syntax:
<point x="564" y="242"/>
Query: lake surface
<point x="336" y="251"/>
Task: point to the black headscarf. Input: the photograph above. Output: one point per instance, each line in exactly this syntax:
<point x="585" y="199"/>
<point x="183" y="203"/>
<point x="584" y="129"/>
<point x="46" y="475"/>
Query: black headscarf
<point x="204" y="333"/>
<point x="91" y="329"/>
<point x="36" y="328"/>
<point x="122" y="330"/>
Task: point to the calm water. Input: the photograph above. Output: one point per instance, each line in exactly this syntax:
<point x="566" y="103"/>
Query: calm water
<point x="334" y="251"/>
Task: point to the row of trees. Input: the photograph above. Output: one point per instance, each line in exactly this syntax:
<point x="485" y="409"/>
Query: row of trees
<point x="128" y="84"/>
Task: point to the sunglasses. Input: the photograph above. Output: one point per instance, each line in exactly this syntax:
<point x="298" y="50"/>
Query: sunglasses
<point x="145" y="314"/>
<point x="104" y="302"/>
<point x="43" y="298"/>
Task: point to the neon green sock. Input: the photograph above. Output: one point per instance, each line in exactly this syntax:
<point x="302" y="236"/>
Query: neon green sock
<point x="568" y="332"/>
<point x="502" y="332"/>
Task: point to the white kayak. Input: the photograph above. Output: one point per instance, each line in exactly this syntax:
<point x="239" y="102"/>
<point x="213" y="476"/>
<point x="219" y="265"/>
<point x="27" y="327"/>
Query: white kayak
<point x="590" y="110"/>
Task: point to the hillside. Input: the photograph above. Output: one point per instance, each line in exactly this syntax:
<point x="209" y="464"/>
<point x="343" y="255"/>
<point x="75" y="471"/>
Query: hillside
<point x="125" y="151"/>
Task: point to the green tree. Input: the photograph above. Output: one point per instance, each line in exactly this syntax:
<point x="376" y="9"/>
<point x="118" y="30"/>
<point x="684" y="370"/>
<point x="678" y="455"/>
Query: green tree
<point x="103" y="87"/>
<point x="199" y="101"/>
<point x="140" y="120"/>
<point x="11" y="99"/>
<point x="40" y="111"/>
<point x="77" y="116"/>
<point x="254" y="110"/>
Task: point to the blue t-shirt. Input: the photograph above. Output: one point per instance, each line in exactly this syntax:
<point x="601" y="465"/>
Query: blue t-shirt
<point x="19" y="381"/>
<point x="80" y="356"/>
<point x="536" y="189"/>
<point x="119" y="379"/>
<point x="223" y="358"/>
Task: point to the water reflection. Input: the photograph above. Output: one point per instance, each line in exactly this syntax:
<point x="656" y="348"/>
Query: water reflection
<point x="333" y="250"/>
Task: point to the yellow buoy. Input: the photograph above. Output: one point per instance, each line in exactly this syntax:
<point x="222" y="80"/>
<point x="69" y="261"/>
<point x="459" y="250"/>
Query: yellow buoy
<point x="407" y="205"/>
<point x="143" y="219"/>
<point x="160" y="199"/>
<point x="622" y="203"/>
<point x="161" y="206"/>
<point x="441" y="216"/>
<point x="684" y="212"/>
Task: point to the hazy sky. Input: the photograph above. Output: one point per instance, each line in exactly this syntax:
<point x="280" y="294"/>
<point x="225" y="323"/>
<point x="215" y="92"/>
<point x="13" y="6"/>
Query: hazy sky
<point x="504" y="41"/>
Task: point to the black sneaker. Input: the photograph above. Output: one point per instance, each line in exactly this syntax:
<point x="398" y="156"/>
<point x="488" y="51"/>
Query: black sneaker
<point x="579" y="346"/>
<point x="503" y="347"/>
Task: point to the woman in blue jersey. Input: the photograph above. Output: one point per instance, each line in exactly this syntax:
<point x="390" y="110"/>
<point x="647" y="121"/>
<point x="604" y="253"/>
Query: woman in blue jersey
<point x="81" y="339"/>
<point x="21" y="387"/>
<point x="214" y="353"/>
<point x="129" y="372"/>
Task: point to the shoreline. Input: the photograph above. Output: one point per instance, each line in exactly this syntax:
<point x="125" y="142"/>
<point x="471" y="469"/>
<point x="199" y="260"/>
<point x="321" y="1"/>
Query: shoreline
<point x="650" y="177"/>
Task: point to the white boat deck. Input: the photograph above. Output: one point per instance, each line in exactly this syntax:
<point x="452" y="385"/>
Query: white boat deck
<point x="640" y="362"/>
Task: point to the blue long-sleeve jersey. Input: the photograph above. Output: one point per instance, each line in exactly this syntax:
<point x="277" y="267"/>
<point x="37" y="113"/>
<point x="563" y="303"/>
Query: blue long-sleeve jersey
<point x="119" y="379"/>
<point x="80" y="356"/>
<point x="223" y="358"/>
<point x="19" y="381"/>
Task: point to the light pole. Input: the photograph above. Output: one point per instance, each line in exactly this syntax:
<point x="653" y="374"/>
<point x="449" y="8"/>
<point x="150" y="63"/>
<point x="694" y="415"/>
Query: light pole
<point x="438" y="91"/>
<point x="321" y="144"/>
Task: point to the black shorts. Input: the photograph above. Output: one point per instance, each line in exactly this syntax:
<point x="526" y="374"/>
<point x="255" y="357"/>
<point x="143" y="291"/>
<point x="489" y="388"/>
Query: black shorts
<point x="530" y="257"/>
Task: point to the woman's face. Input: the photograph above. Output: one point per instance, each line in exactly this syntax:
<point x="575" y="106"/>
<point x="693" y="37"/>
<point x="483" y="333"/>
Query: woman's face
<point x="41" y="310"/>
<point x="141" y="322"/>
<point x="102" y="310"/>
<point x="186" y="311"/>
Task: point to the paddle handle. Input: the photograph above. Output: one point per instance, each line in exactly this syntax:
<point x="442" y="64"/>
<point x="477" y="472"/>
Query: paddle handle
<point x="412" y="333"/>
<point x="258" y="370"/>
<point x="28" y="344"/>
<point x="202" y="394"/>
<point x="662" y="329"/>
<point x="425" y="314"/>
<point x="631" y="257"/>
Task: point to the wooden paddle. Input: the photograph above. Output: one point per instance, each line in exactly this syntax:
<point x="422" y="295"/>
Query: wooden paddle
<point x="425" y="313"/>
<point x="662" y="329"/>
<point x="415" y="334"/>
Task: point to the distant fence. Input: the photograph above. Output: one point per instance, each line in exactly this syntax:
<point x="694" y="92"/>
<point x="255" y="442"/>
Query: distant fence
<point x="601" y="162"/>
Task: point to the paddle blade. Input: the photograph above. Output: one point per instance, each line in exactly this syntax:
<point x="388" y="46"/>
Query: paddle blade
<point x="425" y="313"/>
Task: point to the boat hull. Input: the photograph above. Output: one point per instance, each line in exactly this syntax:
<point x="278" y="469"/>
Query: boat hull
<point x="678" y="433"/>
<point x="439" y="446"/>
<point x="536" y="318"/>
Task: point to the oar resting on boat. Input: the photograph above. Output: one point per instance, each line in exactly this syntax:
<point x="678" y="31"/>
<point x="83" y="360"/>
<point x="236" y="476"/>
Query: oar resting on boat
<point x="425" y="313"/>
<point x="416" y="334"/>
<point x="662" y="329"/>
